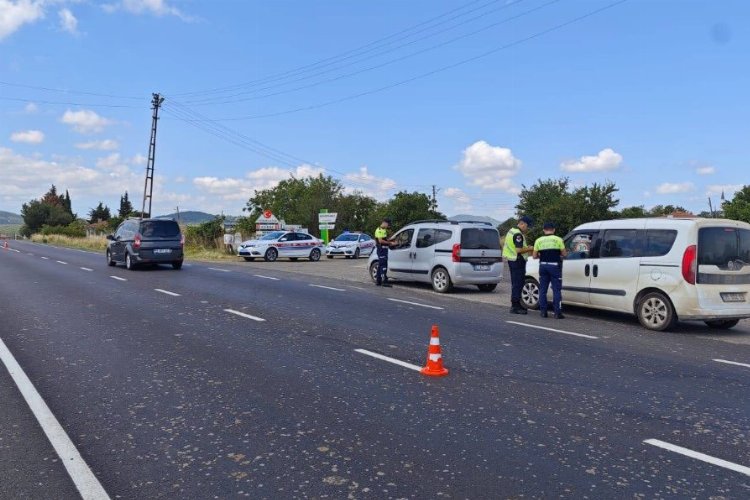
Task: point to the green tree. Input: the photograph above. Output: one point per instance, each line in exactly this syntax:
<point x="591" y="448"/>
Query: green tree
<point x="126" y="208"/>
<point x="635" y="212"/>
<point x="355" y="212"/>
<point x="663" y="210"/>
<point x="100" y="213"/>
<point x="35" y="215"/>
<point x="739" y="207"/>
<point x="404" y="208"/>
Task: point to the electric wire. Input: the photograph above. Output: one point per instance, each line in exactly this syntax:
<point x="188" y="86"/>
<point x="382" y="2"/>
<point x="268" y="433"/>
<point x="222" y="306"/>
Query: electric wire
<point x="66" y="103"/>
<point x="68" y="91"/>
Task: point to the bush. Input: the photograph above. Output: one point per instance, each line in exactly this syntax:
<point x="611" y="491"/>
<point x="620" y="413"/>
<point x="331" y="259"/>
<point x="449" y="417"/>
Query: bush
<point x="205" y="235"/>
<point x="76" y="229"/>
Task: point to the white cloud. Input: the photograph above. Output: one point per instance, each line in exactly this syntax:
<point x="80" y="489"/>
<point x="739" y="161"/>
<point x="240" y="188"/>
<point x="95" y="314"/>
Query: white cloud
<point x="489" y="167"/>
<point x="707" y="170"/>
<point x="675" y="187"/>
<point x="30" y="108"/>
<point x="85" y="121"/>
<point x="68" y="21"/>
<point x="369" y="184"/>
<point x="103" y="145"/>
<point x="606" y="160"/>
<point x="153" y="7"/>
<point x="241" y="189"/>
<point x="727" y="189"/>
<point x="28" y="136"/>
<point x="139" y="159"/>
<point x="462" y="201"/>
<point x="14" y="14"/>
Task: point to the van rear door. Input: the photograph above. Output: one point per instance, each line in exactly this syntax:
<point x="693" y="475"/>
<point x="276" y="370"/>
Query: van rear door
<point x="723" y="268"/>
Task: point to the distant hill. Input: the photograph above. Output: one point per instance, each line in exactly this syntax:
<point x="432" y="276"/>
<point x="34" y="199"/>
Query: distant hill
<point x="10" y="218"/>
<point x="478" y="218"/>
<point x="195" y="217"/>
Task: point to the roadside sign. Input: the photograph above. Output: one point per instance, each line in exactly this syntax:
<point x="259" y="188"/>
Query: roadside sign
<point x="267" y="214"/>
<point x="327" y="218"/>
<point x="326" y="226"/>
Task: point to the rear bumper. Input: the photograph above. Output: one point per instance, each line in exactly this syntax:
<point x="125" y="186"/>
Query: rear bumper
<point x="147" y="257"/>
<point x="464" y="274"/>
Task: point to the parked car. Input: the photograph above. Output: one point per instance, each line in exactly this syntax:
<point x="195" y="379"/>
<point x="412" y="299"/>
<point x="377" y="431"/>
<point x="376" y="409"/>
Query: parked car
<point x="660" y="269"/>
<point x="445" y="253"/>
<point x="351" y="245"/>
<point x="146" y="241"/>
<point x="290" y="244"/>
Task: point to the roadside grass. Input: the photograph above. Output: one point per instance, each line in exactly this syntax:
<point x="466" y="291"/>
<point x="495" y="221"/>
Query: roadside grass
<point x="10" y="229"/>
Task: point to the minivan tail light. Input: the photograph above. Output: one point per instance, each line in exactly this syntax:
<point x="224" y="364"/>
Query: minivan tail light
<point x="690" y="264"/>
<point x="456" y="254"/>
<point x="137" y="241"/>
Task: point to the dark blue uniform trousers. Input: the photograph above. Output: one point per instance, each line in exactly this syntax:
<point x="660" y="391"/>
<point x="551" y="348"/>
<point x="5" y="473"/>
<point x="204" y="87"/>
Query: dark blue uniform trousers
<point x="381" y="276"/>
<point x="550" y="274"/>
<point x="517" y="276"/>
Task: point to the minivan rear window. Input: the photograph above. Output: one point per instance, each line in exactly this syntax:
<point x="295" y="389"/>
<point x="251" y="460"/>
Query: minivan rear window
<point x="724" y="247"/>
<point x="476" y="238"/>
<point x="658" y="242"/>
<point x="160" y="229"/>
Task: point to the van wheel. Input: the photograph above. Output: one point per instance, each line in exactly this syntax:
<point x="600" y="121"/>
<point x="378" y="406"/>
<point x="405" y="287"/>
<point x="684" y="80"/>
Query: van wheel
<point x="722" y="324"/>
<point x="374" y="271"/>
<point x="315" y="255"/>
<point x="487" y="287"/>
<point x="656" y="312"/>
<point x="530" y="294"/>
<point x="441" y="280"/>
<point x="129" y="262"/>
<point x="110" y="262"/>
<point x="249" y="259"/>
<point x="271" y="255"/>
<point x="177" y="264"/>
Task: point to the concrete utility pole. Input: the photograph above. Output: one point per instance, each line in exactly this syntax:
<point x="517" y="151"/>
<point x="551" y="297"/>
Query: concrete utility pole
<point x="434" y="198"/>
<point x="148" y="188"/>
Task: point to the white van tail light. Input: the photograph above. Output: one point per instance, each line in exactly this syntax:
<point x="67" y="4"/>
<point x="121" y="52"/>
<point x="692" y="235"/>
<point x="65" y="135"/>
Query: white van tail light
<point x="456" y="254"/>
<point x="137" y="241"/>
<point x="690" y="264"/>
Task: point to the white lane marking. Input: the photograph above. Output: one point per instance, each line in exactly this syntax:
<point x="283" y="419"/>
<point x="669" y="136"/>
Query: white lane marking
<point x="61" y="262"/>
<point x="217" y="269"/>
<point x="390" y="360"/>
<point x="14" y="250"/>
<point x="415" y="304"/>
<point x="266" y="277"/>
<point x="45" y="258"/>
<point x="118" y="278"/>
<point x="328" y="288"/>
<point x="85" y="481"/>
<point x="248" y="316"/>
<point x="167" y="292"/>
<point x="86" y="269"/>
<point x="553" y="330"/>
<point x="732" y="363"/>
<point x="699" y="456"/>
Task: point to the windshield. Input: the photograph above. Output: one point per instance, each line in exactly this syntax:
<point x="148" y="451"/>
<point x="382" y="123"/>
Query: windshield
<point x="480" y="239"/>
<point x="347" y="237"/>
<point x="273" y="236"/>
<point x="160" y="229"/>
<point x="724" y="247"/>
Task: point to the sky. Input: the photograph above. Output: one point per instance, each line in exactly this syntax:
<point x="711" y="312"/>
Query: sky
<point x="475" y="97"/>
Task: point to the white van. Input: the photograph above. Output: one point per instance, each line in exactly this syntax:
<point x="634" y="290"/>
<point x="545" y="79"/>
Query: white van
<point x="660" y="269"/>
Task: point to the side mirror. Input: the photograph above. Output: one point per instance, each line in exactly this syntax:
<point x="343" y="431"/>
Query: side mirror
<point x="110" y="237"/>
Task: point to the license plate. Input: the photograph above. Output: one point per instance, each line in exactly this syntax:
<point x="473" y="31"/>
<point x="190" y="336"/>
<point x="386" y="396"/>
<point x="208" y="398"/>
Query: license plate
<point x="481" y="268"/>
<point x="733" y="297"/>
<point x="163" y="250"/>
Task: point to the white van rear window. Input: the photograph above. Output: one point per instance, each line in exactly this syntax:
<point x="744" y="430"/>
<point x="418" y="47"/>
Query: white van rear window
<point x="727" y="248"/>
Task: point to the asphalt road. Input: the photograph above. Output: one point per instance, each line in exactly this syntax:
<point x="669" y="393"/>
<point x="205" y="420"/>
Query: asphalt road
<point x="227" y="380"/>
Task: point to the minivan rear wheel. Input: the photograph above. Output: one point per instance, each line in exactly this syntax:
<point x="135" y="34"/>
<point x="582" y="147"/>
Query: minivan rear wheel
<point x="177" y="264"/>
<point x="530" y="294"/>
<point x="129" y="262"/>
<point x="656" y="312"/>
<point x="441" y="280"/>
<point x="110" y="262"/>
<point x="722" y="324"/>
<point x="374" y="271"/>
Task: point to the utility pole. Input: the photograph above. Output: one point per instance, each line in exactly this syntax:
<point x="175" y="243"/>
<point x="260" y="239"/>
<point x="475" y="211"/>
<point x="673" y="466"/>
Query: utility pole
<point x="711" y="208"/>
<point x="148" y="188"/>
<point x="178" y="214"/>
<point x="433" y="203"/>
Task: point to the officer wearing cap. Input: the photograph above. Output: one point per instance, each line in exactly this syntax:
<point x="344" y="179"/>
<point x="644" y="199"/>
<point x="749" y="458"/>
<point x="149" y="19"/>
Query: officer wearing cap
<point x="515" y="251"/>
<point x="550" y="250"/>
<point x="383" y="243"/>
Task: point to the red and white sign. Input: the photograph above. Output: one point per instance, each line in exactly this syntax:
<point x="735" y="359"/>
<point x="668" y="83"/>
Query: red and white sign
<point x="267" y="214"/>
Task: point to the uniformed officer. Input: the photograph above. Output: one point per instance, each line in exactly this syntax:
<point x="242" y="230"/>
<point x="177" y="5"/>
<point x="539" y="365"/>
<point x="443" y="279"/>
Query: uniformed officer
<point x="550" y="250"/>
<point x="383" y="243"/>
<point x="515" y="251"/>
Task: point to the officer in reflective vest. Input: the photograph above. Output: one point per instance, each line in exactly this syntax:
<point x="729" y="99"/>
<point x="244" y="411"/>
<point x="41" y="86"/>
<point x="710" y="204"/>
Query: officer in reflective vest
<point x="550" y="250"/>
<point x="515" y="251"/>
<point x="383" y="243"/>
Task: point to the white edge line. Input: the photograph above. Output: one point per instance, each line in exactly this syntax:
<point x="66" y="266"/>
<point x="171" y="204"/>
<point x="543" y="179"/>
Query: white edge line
<point x="118" y="278"/>
<point x="45" y="258"/>
<point x="266" y="277"/>
<point x="328" y="288"/>
<point x="61" y="262"/>
<point x="553" y="330"/>
<point x="732" y="363"/>
<point x="699" y="456"/>
<point x="390" y="360"/>
<point x="415" y="304"/>
<point x="248" y="316"/>
<point x="85" y="481"/>
<point x="217" y="269"/>
<point x="167" y="292"/>
<point x="86" y="269"/>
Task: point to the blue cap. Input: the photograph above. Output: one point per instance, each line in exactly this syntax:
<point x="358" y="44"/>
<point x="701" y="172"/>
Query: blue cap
<point x="528" y="220"/>
<point x="549" y="225"/>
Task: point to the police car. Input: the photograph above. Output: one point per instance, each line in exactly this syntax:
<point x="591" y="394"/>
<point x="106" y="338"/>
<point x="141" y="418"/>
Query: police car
<point x="351" y="245"/>
<point x="290" y="244"/>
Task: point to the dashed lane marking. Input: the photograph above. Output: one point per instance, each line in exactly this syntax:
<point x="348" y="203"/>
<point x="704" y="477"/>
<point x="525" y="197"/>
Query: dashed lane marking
<point x="248" y="316"/>
<point x="61" y="262"/>
<point x="389" y="359"/>
<point x="217" y="269"/>
<point x="329" y="288"/>
<point x="118" y="278"/>
<point x="167" y="292"/>
<point x="85" y="481"/>
<point x="86" y="269"/>
<point x="266" y="277"/>
<point x="415" y="304"/>
<point x="45" y="258"/>
<point x="699" y="456"/>
<point x="732" y="363"/>
<point x="553" y="330"/>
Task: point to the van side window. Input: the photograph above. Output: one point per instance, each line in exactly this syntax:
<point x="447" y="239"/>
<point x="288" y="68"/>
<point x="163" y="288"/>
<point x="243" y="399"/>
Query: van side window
<point x="429" y="237"/>
<point x="403" y="239"/>
<point x="658" y="242"/>
<point x="579" y="245"/>
<point x="619" y="243"/>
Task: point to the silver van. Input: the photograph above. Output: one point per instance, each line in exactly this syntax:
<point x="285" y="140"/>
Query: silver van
<point x="445" y="253"/>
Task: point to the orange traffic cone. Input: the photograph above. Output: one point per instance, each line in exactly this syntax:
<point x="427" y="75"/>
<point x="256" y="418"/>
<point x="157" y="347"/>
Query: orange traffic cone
<point x="434" y="366"/>
<point x="5" y="244"/>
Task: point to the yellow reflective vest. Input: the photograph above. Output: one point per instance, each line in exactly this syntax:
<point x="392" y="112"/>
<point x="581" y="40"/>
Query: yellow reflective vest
<point x="514" y="240"/>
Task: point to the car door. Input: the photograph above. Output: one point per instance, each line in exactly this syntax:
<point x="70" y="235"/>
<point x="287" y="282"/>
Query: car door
<point x="400" y="255"/>
<point x="287" y="245"/>
<point x="115" y="248"/>
<point x="614" y="275"/>
<point x="304" y="243"/>
<point x="576" y="268"/>
<point x="423" y="254"/>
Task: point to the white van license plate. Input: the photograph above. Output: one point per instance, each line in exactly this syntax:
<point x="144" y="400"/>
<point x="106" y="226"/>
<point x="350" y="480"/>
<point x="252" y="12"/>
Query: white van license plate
<point x="481" y="267"/>
<point x="163" y="250"/>
<point x="733" y="297"/>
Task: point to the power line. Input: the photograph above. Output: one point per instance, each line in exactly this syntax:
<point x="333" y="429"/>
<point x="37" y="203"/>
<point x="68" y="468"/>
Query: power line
<point x="66" y="103"/>
<point x="420" y="76"/>
<point x="68" y="91"/>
